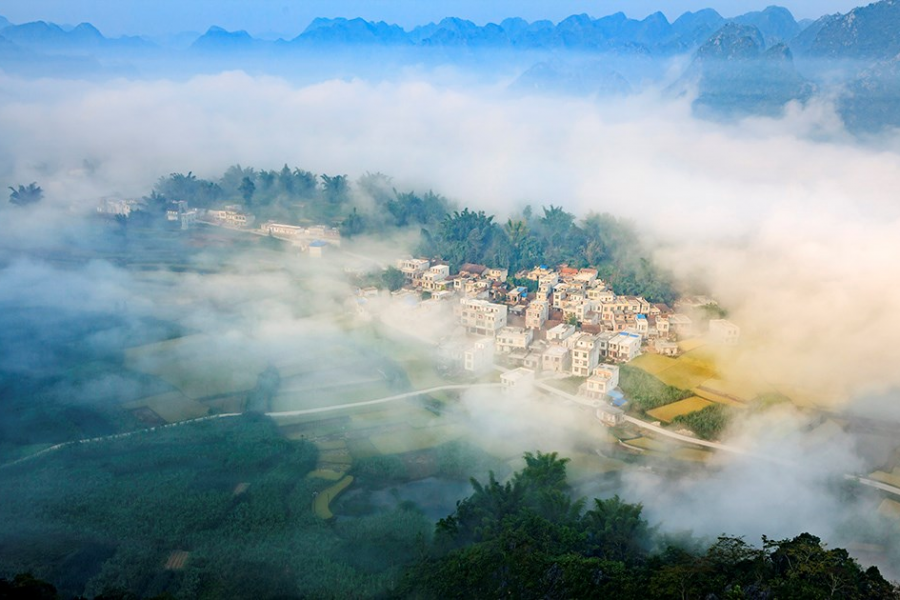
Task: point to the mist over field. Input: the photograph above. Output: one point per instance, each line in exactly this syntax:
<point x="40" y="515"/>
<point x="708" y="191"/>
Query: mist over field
<point x="789" y="221"/>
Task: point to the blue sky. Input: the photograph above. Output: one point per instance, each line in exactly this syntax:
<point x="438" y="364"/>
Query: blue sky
<point x="154" y="17"/>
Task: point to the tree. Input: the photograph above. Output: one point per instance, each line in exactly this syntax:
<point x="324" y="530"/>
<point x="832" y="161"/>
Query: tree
<point x="393" y="278"/>
<point x="247" y="188"/>
<point x="353" y="224"/>
<point x="25" y="195"/>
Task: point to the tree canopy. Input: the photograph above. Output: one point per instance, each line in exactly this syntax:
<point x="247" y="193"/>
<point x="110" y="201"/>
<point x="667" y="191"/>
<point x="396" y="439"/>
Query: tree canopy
<point x="24" y="195"/>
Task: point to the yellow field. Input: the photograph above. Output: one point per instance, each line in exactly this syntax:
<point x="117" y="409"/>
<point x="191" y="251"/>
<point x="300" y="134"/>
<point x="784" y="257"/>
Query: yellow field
<point x="741" y="390"/>
<point x="323" y="500"/>
<point x="668" y="412"/>
<point x="685" y="375"/>
<point x="888" y="478"/>
<point x="889" y="508"/>
<point x="415" y="439"/>
<point x="653" y="363"/>
<point x="718" y="398"/>
<point x="690" y="454"/>
<point x="171" y="407"/>
<point x="691" y="344"/>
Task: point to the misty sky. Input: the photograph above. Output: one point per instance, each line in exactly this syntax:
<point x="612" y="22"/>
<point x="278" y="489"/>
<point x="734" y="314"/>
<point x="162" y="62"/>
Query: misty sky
<point x="291" y="17"/>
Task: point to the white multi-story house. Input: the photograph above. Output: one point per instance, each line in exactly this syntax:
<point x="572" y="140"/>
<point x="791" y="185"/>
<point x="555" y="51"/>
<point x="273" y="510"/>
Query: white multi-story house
<point x="624" y="346"/>
<point x="517" y="381"/>
<point x="510" y="339"/>
<point x="496" y="274"/>
<point x="230" y="217"/>
<point x="413" y="268"/>
<point x="681" y="325"/>
<point x="536" y="314"/>
<point x="585" y="353"/>
<point x="435" y="278"/>
<point x="601" y="294"/>
<point x="481" y="317"/>
<point x="662" y="326"/>
<point x="479" y="356"/>
<point x="560" y="333"/>
<point x="604" y="379"/>
<point x="642" y="326"/>
<point x="556" y="359"/>
<point x="665" y="348"/>
<point x="725" y="332"/>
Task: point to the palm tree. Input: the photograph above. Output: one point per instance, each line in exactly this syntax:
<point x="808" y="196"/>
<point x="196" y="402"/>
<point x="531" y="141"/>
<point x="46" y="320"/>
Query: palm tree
<point x="25" y="195"/>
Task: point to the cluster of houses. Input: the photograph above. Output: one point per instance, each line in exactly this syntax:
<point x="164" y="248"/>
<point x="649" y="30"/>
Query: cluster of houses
<point x="571" y="322"/>
<point x="312" y="239"/>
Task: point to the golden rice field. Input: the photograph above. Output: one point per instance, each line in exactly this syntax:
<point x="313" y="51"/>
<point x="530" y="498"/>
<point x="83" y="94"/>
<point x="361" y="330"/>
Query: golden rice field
<point x="668" y="412"/>
<point x="889" y="508"/>
<point x="645" y="443"/>
<point x="690" y="454"/>
<point x="888" y="478"/>
<point x="717" y="398"/>
<point x="691" y="344"/>
<point x="324" y="498"/>
<point x="653" y="363"/>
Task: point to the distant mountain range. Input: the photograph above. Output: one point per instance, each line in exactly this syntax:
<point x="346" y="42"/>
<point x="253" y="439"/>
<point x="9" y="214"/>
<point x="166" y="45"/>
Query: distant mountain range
<point x="742" y="65"/>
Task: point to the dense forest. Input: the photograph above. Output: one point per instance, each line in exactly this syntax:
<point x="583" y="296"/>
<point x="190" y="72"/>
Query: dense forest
<point x="373" y="206"/>
<point x="526" y="537"/>
<point x="529" y="538"/>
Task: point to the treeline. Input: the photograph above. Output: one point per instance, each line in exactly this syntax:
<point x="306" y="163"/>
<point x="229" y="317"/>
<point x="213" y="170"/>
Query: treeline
<point x="529" y="538"/>
<point x="552" y="238"/>
<point x="372" y="205"/>
<point x="295" y="195"/>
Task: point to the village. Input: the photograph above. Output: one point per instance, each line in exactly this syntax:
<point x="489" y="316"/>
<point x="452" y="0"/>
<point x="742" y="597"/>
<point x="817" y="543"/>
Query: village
<point x="553" y="323"/>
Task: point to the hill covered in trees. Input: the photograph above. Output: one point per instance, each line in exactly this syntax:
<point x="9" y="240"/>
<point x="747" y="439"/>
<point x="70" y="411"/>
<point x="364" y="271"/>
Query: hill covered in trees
<point x="371" y="205"/>
<point x="529" y="538"/>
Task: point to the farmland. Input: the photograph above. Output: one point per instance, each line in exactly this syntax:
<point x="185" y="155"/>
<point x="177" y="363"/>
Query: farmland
<point x="668" y="412"/>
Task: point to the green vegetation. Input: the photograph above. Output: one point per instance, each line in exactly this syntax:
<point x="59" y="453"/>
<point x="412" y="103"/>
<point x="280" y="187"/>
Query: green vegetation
<point x="528" y="538"/>
<point x="230" y="493"/>
<point x="24" y="195"/>
<point x="708" y="423"/>
<point x="463" y="236"/>
<point x="646" y="391"/>
<point x="600" y="241"/>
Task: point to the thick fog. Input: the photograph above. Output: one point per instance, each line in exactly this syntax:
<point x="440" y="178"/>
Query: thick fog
<point x="790" y="223"/>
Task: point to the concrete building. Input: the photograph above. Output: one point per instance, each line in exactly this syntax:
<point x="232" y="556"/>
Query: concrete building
<point x="724" y="332"/>
<point x="481" y="317"/>
<point x="536" y="314"/>
<point x="624" y="346"/>
<point x="610" y="415"/>
<point x="665" y="348"/>
<point x="230" y="217"/>
<point x="680" y="325"/>
<point x="413" y="268"/>
<point x="282" y="230"/>
<point x="557" y="359"/>
<point x="510" y="339"/>
<point x="435" y="278"/>
<point x="517" y="381"/>
<point x="604" y="380"/>
<point x="560" y="333"/>
<point x="585" y="353"/>
<point x="496" y="274"/>
<point x="479" y="356"/>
